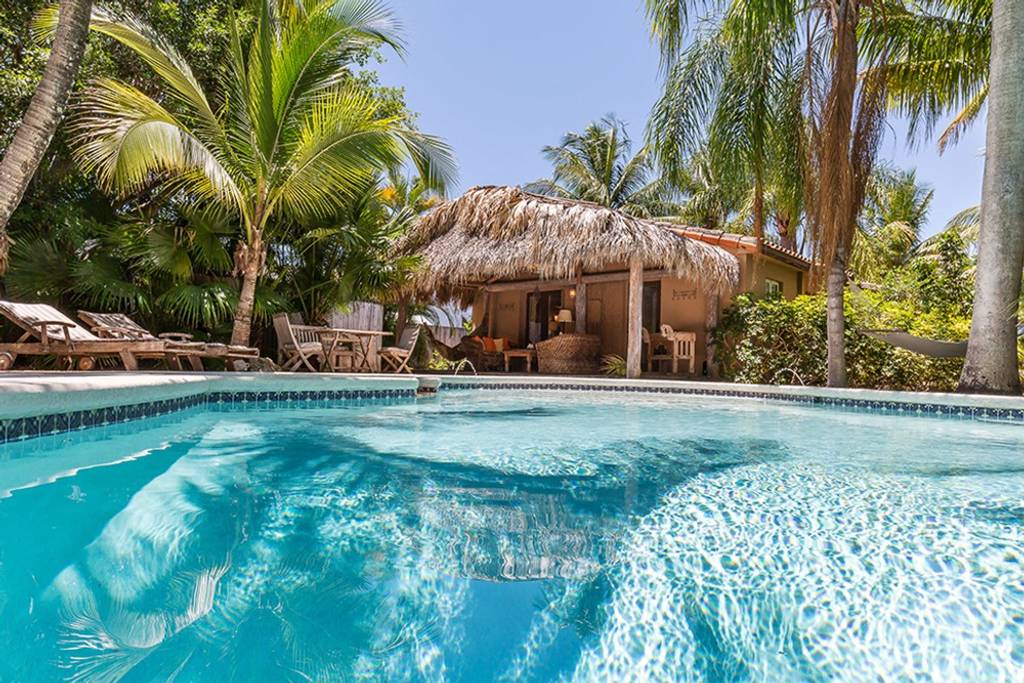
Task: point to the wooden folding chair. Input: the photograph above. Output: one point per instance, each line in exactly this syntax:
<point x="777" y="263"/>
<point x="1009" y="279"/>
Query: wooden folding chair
<point x="297" y="345"/>
<point x="397" y="357"/>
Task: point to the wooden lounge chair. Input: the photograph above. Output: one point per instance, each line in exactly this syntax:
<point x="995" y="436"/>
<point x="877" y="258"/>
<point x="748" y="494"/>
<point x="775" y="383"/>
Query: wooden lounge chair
<point x="397" y="357"/>
<point x="178" y="345"/>
<point x="48" y="332"/>
<point x="297" y="345"/>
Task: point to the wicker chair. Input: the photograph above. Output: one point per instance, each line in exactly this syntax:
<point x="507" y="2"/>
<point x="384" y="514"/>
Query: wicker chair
<point x="481" y="359"/>
<point x="569" y="354"/>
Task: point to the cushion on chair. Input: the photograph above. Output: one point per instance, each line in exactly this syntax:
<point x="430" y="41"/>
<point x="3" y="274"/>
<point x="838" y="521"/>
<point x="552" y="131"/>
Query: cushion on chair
<point x="489" y="345"/>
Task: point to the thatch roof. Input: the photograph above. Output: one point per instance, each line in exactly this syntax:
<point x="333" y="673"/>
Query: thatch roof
<point x="505" y="233"/>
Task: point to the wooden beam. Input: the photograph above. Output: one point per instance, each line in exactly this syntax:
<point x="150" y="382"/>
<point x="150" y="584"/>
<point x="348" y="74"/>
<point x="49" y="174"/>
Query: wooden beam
<point x="635" y="320"/>
<point x="549" y="285"/>
<point x="581" y="305"/>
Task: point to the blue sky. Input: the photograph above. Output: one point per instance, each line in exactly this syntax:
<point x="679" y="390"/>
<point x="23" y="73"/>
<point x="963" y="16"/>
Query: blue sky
<point x="500" y="80"/>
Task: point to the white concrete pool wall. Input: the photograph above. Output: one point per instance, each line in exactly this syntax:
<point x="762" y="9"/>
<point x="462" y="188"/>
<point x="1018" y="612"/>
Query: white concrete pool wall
<point x="31" y="394"/>
<point x="766" y="391"/>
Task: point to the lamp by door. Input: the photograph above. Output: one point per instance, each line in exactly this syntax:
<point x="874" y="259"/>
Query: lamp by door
<point x="564" y="317"/>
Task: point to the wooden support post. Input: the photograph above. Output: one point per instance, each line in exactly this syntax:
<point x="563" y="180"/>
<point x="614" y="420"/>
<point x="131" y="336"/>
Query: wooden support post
<point x="490" y="314"/>
<point x="581" y="304"/>
<point x="634" y="318"/>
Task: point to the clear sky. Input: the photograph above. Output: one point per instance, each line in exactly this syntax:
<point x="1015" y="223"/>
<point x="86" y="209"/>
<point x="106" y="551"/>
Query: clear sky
<point x="500" y="80"/>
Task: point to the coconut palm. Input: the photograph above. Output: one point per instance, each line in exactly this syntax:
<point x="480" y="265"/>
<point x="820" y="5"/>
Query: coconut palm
<point x="292" y="139"/>
<point x="937" y="61"/>
<point x="889" y="229"/>
<point x="44" y="112"/>
<point x="991" y="365"/>
<point x="843" y="115"/>
<point x="598" y="165"/>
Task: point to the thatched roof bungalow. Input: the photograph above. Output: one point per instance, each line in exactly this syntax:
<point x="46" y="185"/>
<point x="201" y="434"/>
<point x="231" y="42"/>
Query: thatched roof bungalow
<point x="525" y="261"/>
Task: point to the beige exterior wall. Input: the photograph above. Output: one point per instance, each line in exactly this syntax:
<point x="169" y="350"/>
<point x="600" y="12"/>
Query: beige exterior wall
<point x="684" y="305"/>
<point x="606" y="315"/>
<point x="509" y="313"/>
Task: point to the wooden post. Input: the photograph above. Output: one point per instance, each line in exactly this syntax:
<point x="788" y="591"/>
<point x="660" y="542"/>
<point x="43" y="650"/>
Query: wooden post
<point x="490" y="314"/>
<point x="634" y="318"/>
<point x="581" y="304"/>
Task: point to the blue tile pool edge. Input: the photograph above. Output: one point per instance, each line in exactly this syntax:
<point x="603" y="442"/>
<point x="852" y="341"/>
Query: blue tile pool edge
<point x="922" y="408"/>
<point x="19" y="429"/>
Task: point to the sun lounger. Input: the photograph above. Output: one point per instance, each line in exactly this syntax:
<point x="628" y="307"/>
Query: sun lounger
<point x="48" y="332"/>
<point x="178" y="344"/>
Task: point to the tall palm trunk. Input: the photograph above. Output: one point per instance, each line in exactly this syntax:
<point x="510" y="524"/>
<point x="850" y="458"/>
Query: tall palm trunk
<point x="44" y="112"/>
<point x="991" y="365"/>
<point x="835" y="210"/>
<point x="400" y="318"/>
<point x="758" y="206"/>
<point x="249" y="260"/>
<point x="836" y="321"/>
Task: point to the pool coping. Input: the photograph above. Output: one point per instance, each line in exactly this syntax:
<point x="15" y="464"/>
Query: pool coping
<point x="34" y="404"/>
<point x="1009" y="408"/>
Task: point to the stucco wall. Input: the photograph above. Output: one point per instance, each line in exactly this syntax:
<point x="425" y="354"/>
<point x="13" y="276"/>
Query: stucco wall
<point x="509" y="310"/>
<point x="606" y="315"/>
<point x="683" y="306"/>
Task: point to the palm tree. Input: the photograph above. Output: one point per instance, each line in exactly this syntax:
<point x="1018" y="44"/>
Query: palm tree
<point x="991" y="365"/>
<point x="937" y="61"/>
<point x="292" y="139"/>
<point x="599" y="166"/>
<point x="889" y="229"/>
<point x="44" y="113"/>
<point x="843" y="115"/>
<point x="732" y="107"/>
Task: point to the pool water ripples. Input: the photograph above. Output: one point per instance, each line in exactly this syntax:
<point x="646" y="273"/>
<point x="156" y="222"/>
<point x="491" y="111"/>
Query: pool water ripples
<point x="521" y="537"/>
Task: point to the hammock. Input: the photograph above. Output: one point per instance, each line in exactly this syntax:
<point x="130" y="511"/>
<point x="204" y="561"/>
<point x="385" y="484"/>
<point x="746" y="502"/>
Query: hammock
<point x="922" y="345"/>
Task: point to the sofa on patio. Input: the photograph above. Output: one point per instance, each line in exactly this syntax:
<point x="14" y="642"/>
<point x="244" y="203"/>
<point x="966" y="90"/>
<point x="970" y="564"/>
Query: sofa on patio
<point x="569" y="354"/>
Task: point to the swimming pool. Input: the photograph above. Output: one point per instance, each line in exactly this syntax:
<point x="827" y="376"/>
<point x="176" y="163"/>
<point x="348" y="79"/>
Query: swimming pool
<point x="515" y="536"/>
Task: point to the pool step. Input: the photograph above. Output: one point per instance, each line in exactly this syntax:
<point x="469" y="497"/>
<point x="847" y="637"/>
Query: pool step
<point x="427" y="386"/>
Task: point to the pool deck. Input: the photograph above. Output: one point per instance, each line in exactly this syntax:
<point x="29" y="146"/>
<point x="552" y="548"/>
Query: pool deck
<point x="25" y="394"/>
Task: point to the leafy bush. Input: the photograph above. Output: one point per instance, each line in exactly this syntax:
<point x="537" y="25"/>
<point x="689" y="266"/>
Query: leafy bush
<point x="613" y="365"/>
<point x="774" y="341"/>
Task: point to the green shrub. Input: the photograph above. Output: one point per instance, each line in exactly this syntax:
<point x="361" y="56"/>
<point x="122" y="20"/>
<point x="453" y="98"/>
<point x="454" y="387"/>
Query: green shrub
<point x="774" y="341"/>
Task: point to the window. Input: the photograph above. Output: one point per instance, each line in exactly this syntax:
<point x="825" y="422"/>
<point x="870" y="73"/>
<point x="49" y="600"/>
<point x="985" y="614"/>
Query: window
<point x="772" y="288"/>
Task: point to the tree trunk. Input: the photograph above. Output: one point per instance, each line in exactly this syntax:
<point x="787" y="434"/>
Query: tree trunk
<point x="991" y="365"/>
<point x="836" y="289"/>
<point x="249" y="260"/>
<point x="635" y="320"/>
<point x="758" y="207"/>
<point x="400" y="319"/>
<point x="44" y="112"/>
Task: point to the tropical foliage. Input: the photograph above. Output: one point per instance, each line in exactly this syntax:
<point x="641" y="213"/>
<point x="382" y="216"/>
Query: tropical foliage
<point x="598" y="165"/>
<point x="292" y="140"/>
<point x="936" y="62"/>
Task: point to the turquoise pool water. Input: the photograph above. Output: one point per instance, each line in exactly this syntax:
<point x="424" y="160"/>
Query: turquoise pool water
<point x="486" y="536"/>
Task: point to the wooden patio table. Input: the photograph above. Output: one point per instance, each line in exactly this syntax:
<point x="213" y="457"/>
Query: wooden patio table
<point x="528" y="354"/>
<point x="364" y="338"/>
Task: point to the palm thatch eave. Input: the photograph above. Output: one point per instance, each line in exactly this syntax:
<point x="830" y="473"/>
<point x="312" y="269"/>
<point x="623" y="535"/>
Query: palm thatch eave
<point x="505" y="233"/>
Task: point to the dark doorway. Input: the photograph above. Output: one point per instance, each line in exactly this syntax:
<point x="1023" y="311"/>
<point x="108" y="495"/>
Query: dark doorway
<point x="652" y="306"/>
<point x="541" y="310"/>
